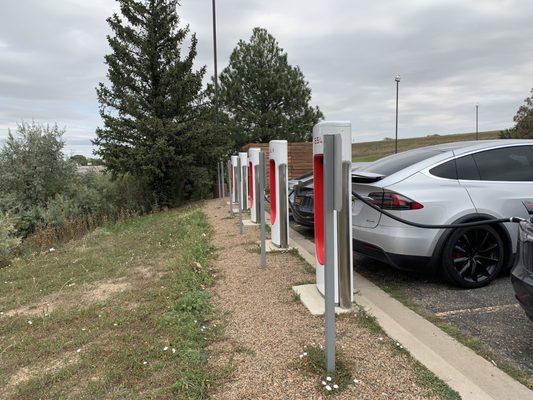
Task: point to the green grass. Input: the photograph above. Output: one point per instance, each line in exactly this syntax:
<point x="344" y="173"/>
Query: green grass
<point x="113" y="347"/>
<point x="371" y="151"/>
<point x="315" y="363"/>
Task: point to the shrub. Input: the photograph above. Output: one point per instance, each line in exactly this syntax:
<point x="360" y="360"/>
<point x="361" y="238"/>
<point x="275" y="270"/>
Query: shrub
<point x="8" y="239"/>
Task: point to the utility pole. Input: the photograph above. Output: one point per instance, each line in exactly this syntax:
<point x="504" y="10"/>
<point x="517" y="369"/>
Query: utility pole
<point x="397" y="79"/>
<point x="477" y="121"/>
<point x="215" y="54"/>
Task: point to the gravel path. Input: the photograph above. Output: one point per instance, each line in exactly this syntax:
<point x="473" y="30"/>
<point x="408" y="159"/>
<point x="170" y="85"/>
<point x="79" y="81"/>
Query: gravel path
<point x="267" y="329"/>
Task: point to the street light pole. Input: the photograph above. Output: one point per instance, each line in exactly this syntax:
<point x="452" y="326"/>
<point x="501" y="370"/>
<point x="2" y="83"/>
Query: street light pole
<point x="397" y="79"/>
<point x="215" y="54"/>
<point x="477" y="121"/>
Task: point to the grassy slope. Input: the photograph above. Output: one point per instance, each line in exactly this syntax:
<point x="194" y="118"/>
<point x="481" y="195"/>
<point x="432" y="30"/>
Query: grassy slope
<point x="370" y="151"/>
<point x="111" y="346"/>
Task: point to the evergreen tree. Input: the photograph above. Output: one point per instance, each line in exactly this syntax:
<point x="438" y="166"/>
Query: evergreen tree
<point x="523" y="119"/>
<point x="264" y="96"/>
<point x="151" y="107"/>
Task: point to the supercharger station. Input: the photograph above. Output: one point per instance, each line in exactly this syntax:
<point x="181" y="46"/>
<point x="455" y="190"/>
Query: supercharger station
<point x="233" y="179"/>
<point x="244" y="180"/>
<point x="279" y="187"/>
<point x="253" y="198"/>
<point x="342" y="222"/>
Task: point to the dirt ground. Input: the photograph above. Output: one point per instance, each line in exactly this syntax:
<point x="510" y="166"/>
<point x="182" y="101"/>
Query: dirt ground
<point x="268" y="328"/>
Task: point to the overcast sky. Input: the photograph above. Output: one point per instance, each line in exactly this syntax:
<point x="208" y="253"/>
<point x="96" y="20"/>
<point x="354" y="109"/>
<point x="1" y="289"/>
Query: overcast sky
<point x="451" y="54"/>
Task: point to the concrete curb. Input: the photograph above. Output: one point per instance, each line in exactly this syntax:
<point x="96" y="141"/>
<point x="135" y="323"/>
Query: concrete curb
<point x="472" y="376"/>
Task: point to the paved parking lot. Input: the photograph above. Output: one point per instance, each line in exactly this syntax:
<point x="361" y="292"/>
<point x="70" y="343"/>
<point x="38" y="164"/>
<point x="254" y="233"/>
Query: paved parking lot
<point x="489" y="314"/>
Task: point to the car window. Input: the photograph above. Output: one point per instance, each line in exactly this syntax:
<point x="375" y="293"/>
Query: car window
<point x="446" y="170"/>
<point x="397" y="162"/>
<point x="467" y="168"/>
<point x="506" y="164"/>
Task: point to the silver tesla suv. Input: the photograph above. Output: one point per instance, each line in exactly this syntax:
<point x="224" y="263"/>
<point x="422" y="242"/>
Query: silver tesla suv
<point x="445" y="184"/>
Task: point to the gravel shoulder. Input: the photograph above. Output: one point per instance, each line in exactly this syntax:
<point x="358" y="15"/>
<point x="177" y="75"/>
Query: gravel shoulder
<point x="267" y="329"/>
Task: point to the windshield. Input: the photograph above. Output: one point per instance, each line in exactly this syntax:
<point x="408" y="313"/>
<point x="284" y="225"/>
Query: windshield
<point x="392" y="164"/>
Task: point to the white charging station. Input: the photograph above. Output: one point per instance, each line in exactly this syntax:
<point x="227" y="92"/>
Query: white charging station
<point x="253" y="164"/>
<point x="233" y="179"/>
<point x="342" y="230"/>
<point x="279" y="187"/>
<point x="244" y="179"/>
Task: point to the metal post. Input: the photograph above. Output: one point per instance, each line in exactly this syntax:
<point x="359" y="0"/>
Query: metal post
<point x="282" y="207"/>
<point x="218" y="180"/>
<point x="332" y="155"/>
<point x="477" y="120"/>
<point x="239" y="200"/>
<point x="222" y="179"/>
<point x="215" y="54"/>
<point x="344" y="238"/>
<point x="244" y="177"/>
<point x="260" y="193"/>
<point x="229" y="188"/>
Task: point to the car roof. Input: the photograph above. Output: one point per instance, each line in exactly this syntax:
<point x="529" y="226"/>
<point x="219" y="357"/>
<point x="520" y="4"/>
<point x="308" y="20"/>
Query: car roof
<point x="444" y="152"/>
<point x="473" y="145"/>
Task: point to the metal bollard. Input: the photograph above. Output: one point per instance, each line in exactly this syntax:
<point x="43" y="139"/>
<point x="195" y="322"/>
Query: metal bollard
<point x="229" y="189"/>
<point x="344" y="239"/>
<point x="222" y="179"/>
<point x="260" y="194"/>
<point x="284" y="223"/>
<point x="218" y="180"/>
<point x="238" y="184"/>
<point x="332" y="204"/>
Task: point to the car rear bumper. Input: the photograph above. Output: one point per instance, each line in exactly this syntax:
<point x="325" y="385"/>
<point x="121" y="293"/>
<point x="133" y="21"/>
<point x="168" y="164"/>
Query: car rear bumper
<point x="522" y="281"/>
<point x="401" y="240"/>
<point x="403" y="262"/>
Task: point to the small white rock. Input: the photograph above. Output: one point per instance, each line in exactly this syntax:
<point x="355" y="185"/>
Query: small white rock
<point x="328" y="387"/>
<point x="323" y="383"/>
<point x="165" y="348"/>
<point x="145" y="362"/>
<point x="356" y="381"/>
<point x="79" y="350"/>
<point x="328" y="378"/>
<point x="115" y="324"/>
<point x="173" y="350"/>
<point x="335" y="386"/>
<point x="29" y="322"/>
<point x="305" y="353"/>
<point x="52" y="249"/>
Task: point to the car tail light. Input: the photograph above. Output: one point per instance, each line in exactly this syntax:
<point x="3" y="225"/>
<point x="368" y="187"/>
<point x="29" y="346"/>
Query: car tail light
<point x="393" y="201"/>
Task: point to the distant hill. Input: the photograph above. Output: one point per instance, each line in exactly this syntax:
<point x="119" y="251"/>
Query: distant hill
<point x="370" y="151"/>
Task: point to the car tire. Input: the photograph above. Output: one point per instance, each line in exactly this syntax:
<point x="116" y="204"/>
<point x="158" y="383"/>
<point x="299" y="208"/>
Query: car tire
<point x="473" y="257"/>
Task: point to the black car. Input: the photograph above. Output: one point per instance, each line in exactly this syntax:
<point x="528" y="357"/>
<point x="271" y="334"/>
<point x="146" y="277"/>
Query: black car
<point x="522" y="274"/>
<point x="301" y="200"/>
<point x="301" y="197"/>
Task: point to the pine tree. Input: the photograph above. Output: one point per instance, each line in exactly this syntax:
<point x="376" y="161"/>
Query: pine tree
<point x="264" y="96"/>
<point x="152" y="104"/>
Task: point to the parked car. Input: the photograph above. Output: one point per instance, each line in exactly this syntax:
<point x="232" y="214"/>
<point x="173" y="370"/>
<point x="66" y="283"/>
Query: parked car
<point x="301" y="199"/>
<point x="445" y="184"/>
<point x="522" y="274"/>
<point x="301" y="196"/>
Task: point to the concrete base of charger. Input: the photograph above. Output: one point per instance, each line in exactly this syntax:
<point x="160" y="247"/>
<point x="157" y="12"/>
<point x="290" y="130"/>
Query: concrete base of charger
<point x="272" y="248"/>
<point x="248" y="222"/>
<point x="314" y="301"/>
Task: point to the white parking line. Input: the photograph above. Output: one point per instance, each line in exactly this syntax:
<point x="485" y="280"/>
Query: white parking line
<point x="490" y="309"/>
